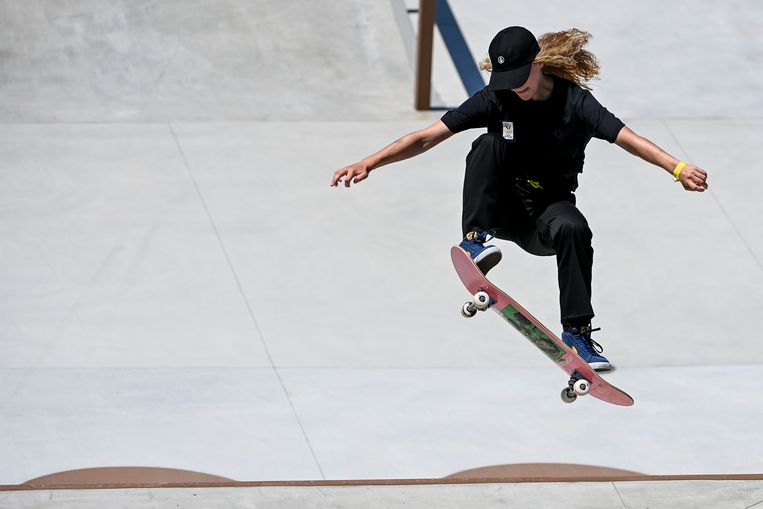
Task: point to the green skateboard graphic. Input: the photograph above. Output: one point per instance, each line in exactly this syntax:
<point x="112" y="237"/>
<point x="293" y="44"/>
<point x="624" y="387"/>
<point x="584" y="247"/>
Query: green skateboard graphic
<point x="531" y="332"/>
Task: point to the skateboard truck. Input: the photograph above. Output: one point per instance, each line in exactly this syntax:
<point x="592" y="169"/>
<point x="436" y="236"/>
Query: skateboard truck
<point x="481" y="301"/>
<point x="577" y="386"/>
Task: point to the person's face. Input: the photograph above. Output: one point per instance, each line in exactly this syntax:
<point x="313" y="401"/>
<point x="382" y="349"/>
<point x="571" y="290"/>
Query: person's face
<point x="530" y="87"/>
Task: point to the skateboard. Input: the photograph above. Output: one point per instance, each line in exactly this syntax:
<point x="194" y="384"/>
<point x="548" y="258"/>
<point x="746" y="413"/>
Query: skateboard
<point x="485" y="295"/>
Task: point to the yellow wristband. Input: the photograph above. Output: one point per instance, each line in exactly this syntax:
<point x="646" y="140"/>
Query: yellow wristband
<point x="677" y="171"/>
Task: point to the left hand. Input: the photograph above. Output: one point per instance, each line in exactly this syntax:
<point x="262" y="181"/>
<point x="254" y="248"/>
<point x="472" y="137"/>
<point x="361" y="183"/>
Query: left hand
<point x="693" y="178"/>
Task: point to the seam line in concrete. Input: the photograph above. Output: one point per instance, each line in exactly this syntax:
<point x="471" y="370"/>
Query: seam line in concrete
<point x="241" y="291"/>
<point x="614" y="485"/>
<point x="718" y="202"/>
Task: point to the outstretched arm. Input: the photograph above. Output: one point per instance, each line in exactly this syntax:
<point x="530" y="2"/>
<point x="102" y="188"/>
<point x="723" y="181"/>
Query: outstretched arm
<point x="692" y="177"/>
<point x="406" y="147"/>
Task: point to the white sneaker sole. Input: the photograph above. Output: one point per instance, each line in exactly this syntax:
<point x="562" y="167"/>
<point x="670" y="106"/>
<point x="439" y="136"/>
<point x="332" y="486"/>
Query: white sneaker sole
<point x="601" y="366"/>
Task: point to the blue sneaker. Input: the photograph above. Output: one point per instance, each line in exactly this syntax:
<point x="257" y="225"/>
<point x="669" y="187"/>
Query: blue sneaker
<point x="589" y="350"/>
<point x="486" y="257"/>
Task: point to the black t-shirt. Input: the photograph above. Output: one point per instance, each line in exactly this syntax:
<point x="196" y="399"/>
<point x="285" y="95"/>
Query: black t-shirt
<point x="547" y="138"/>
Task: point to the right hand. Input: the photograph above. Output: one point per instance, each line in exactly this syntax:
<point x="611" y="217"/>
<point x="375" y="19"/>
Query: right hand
<point x="353" y="173"/>
<point x="693" y="178"/>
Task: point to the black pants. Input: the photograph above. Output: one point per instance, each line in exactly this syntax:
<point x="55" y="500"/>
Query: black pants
<point x="543" y="222"/>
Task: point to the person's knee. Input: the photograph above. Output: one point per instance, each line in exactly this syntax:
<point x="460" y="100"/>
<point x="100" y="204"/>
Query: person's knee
<point x="489" y="141"/>
<point x="573" y="228"/>
<point x="488" y="155"/>
<point x="490" y="138"/>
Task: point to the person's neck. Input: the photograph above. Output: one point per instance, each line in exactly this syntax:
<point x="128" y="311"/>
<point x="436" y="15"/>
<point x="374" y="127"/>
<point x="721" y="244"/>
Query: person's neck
<point x="545" y="88"/>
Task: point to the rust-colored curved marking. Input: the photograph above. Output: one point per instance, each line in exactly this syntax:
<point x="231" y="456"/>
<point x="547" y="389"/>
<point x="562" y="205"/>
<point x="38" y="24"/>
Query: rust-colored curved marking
<point x="533" y="330"/>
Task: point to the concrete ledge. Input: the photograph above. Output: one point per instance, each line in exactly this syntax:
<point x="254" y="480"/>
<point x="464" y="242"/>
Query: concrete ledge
<point x="387" y="482"/>
<point x="647" y="491"/>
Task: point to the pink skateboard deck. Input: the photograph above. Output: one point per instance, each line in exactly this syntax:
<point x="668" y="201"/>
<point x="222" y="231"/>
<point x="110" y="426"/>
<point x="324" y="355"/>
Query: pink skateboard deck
<point x="538" y="334"/>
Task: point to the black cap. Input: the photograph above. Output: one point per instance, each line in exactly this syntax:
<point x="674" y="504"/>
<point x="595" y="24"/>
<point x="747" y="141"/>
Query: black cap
<point x="512" y="52"/>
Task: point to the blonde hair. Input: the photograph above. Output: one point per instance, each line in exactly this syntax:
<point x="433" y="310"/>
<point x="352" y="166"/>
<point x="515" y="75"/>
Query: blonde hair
<point x="562" y="54"/>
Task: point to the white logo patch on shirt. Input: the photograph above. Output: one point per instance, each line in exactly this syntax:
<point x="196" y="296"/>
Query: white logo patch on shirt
<point x="508" y="130"/>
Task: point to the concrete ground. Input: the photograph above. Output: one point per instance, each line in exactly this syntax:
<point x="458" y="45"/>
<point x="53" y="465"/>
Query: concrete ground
<point x="180" y="288"/>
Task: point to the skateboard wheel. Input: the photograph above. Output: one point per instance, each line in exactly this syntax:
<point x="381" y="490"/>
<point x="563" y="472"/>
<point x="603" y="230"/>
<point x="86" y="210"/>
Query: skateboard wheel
<point x="568" y="396"/>
<point x="581" y="387"/>
<point x="468" y="310"/>
<point x="481" y="300"/>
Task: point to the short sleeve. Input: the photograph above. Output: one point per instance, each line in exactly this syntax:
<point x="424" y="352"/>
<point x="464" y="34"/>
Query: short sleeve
<point x="473" y="113"/>
<point x="599" y="121"/>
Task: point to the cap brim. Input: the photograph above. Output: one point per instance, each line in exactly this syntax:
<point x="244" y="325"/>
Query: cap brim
<point x="506" y="80"/>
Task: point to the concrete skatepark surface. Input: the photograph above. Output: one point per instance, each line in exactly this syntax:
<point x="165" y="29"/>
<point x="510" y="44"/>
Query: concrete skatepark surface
<point x="180" y="288"/>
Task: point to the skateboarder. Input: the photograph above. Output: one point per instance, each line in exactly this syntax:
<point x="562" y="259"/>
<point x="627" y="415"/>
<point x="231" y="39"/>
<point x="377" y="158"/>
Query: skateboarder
<point x="522" y="173"/>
